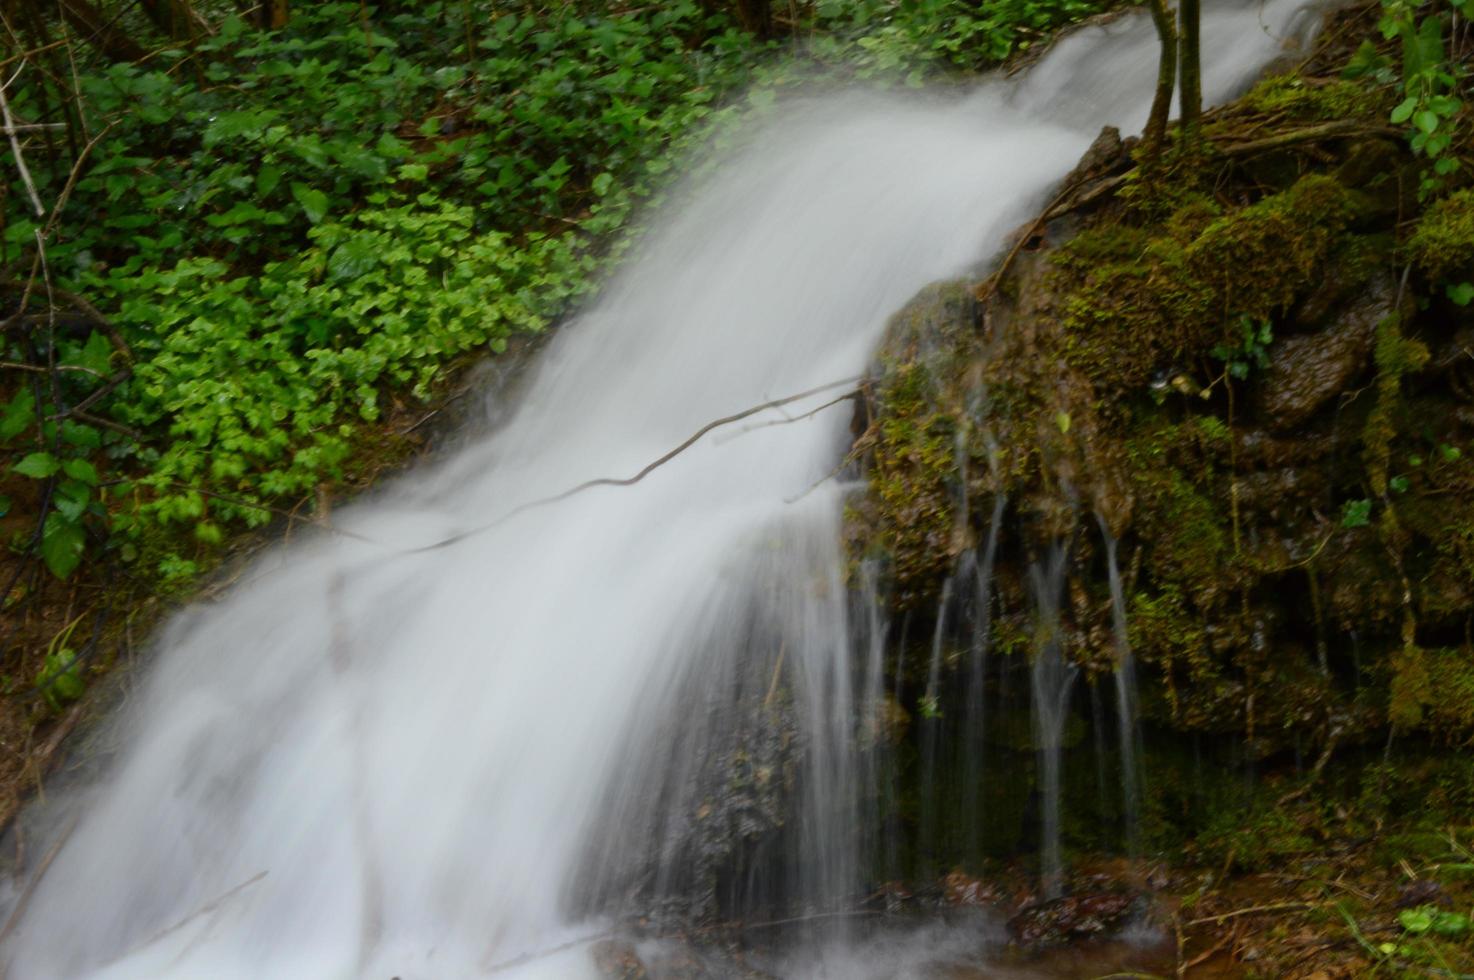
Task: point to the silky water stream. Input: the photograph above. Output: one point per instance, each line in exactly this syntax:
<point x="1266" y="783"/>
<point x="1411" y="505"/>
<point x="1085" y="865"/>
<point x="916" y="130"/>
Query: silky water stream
<point x="375" y="761"/>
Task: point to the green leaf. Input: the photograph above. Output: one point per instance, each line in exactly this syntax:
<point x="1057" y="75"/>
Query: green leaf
<point x="71" y="503"/>
<point x="62" y="541"/>
<point x="18" y="415"/>
<point x="1426" y="120"/>
<point x="37" y="466"/>
<point x="1461" y="293"/>
<point x="267" y="178"/>
<point x="1416" y="920"/>
<point x="1356" y="513"/>
<point x="314" y="202"/>
<point x="355" y="257"/>
<point x="96" y="354"/>
<point x="246" y="126"/>
<point x="1404" y="110"/>
<point x="78" y="434"/>
<point x="80" y="470"/>
<point x="1398" y="484"/>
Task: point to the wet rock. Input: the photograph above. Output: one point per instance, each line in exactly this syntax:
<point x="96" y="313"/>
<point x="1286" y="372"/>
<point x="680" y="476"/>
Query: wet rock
<point x="1306" y="371"/>
<point x="1106" y="154"/>
<point x="1075" y="917"/>
<point x="961" y="889"/>
<point x="1282" y="495"/>
<point x="618" y="960"/>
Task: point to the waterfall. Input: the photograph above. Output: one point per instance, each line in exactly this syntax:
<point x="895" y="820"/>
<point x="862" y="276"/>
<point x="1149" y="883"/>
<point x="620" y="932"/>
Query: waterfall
<point x="377" y="759"/>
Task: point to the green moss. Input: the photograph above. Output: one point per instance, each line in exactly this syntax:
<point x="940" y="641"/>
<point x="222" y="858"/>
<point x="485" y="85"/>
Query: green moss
<point x="915" y="434"/>
<point x="1450" y="703"/>
<point x="1395" y="356"/>
<point x="1136" y="301"/>
<point x="1259" y="258"/>
<point x="1164" y="632"/>
<point x="1299" y="98"/>
<point x="1442" y="245"/>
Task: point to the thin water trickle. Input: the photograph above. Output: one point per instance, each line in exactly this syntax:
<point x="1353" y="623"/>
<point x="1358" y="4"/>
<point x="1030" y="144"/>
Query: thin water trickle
<point x="454" y="763"/>
<point x="1128" y="738"/>
<point x="1052" y="683"/>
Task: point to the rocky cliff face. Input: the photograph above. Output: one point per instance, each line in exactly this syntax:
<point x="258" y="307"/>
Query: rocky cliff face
<point x="1249" y="380"/>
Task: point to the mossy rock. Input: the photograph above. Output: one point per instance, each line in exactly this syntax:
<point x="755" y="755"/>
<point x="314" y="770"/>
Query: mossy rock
<point x="918" y="432"/>
<point x="1442" y="245"/>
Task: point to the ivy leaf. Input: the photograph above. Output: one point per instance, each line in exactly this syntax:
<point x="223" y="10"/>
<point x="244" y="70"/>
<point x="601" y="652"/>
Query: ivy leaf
<point x="314" y="202"/>
<point x="62" y="541"/>
<point x="38" y="466"/>
<point x="1461" y="293"/>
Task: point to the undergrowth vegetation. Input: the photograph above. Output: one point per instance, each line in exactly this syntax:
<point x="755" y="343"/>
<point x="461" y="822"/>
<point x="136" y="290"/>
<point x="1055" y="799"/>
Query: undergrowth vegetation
<point x="224" y="253"/>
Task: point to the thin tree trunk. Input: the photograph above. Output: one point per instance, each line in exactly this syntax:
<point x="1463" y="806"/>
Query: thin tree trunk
<point x="98" y="31"/>
<point x="756" y="16"/>
<point x="176" y="19"/>
<point x="1189" y="14"/>
<point x="274" y="14"/>
<point x="1155" y="136"/>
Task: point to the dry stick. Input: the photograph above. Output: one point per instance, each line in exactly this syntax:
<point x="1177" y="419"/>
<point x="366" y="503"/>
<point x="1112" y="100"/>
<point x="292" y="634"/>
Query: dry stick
<point x="28" y="55"/>
<point x="796" y="418"/>
<point x="92" y="313"/>
<point x="20" y="160"/>
<point x="211" y="906"/>
<point x="631" y="480"/>
<point x="1207" y="954"/>
<point x="1255" y="910"/>
<point x="37" y="369"/>
<point x="95" y="397"/>
<point x="103" y="423"/>
<point x="66" y="194"/>
<point x="990" y="285"/>
<point x="1315" y="771"/>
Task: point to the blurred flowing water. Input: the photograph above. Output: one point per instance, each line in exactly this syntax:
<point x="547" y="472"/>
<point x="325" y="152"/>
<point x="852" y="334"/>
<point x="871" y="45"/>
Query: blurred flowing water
<point x="456" y="762"/>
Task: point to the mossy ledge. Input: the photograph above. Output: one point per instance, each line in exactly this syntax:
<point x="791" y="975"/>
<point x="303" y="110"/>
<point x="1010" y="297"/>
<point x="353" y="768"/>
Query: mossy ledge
<point x="1251" y="384"/>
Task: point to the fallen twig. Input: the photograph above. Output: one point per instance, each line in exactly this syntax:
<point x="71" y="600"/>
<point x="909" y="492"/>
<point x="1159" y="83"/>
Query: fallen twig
<point x="630" y="480"/>
<point x="1254" y="910"/>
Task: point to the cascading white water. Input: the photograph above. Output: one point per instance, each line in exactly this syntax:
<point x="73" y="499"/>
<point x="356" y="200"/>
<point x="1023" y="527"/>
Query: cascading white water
<point x="372" y="763"/>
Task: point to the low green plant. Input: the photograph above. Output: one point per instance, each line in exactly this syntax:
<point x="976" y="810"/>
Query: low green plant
<point x="1430" y="80"/>
<point x="1251" y="349"/>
